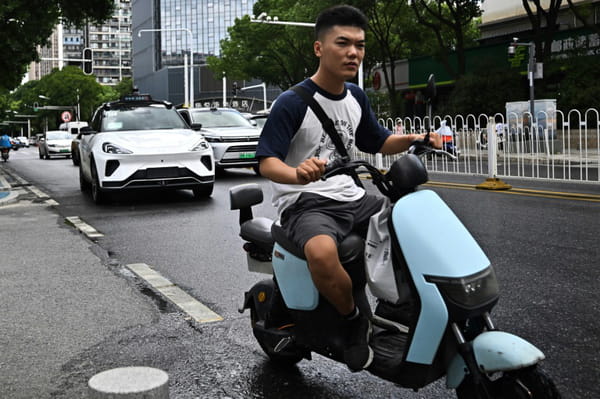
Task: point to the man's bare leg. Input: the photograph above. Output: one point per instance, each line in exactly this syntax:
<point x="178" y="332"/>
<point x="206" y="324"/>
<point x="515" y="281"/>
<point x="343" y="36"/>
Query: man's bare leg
<point x="328" y="274"/>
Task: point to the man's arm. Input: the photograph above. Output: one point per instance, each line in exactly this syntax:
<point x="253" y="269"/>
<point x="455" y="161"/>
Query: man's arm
<point x="276" y="170"/>
<point x="397" y="143"/>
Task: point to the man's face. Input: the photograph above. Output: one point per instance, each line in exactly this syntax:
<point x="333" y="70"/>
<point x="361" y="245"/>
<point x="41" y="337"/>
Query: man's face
<point x="341" y="50"/>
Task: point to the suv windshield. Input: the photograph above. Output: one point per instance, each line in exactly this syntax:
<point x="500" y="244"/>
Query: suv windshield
<point x="218" y="118"/>
<point x="58" y="135"/>
<point x="141" y="118"/>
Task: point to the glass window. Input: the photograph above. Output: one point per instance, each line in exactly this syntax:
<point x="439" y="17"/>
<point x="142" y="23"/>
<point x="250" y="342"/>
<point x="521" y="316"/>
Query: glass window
<point x="219" y="118"/>
<point x="141" y="118"/>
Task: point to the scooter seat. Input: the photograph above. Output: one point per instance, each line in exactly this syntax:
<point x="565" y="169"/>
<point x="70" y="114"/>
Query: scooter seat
<point x="258" y="232"/>
<point x="349" y="249"/>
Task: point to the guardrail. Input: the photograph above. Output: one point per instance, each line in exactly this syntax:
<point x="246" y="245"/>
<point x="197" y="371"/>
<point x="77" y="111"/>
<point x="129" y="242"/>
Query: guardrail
<point x="561" y="146"/>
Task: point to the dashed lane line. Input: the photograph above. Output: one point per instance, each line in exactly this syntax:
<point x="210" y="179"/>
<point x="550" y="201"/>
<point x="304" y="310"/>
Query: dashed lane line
<point x="188" y="304"/>
<point x="85" y="228"/>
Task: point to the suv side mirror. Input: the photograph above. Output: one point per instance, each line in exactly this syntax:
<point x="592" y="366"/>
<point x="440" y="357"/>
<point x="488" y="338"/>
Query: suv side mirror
<point x="86" y="131"/>
<point x="196" y="126"/>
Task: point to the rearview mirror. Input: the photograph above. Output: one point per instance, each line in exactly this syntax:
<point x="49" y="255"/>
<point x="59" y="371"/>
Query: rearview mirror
<point x="86" y="131"/>
<point x="196" y="126"/>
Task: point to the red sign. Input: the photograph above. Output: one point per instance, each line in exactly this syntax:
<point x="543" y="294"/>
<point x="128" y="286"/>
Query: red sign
<point x="66" y="116"/>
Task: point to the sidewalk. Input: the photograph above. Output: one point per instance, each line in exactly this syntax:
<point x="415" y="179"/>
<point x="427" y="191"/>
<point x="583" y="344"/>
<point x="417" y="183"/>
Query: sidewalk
<point x="58" y="297"/>
<point x="7" y="196"/>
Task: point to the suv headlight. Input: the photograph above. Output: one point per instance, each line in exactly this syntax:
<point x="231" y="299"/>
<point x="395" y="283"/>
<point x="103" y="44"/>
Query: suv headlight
<point x="111" y="148"/>
<point x="200" y="146"/>
<point x="470" y="291"/>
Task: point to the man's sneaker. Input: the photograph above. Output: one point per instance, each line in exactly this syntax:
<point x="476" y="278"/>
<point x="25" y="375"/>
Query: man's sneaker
<point x="357" y="353"/>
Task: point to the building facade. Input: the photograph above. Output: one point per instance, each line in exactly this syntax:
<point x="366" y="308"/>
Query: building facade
<point x="165" y="30"/>
<point x="110" y="43"/>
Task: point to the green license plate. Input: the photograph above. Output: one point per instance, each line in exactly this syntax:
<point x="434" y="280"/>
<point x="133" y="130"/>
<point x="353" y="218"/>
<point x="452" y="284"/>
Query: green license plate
<point x="65" y="151"/>
<point x="247" y="155"/>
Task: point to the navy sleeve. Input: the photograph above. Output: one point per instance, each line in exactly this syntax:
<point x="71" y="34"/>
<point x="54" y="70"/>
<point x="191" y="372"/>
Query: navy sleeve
<point x="284" y="121"/>
<point x="370" y="135"/>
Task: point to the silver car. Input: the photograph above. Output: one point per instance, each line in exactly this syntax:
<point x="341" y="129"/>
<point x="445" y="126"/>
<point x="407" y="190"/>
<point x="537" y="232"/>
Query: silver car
<point x="232" y="137"/>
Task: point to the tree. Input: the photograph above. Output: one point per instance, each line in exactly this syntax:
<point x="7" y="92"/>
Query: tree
<point x="394" y="35"/>
<point x="29" y="23"/>
<point x="543" y="25"/>
<point x="276" y="54"/>
<point x="451" y="22"/>
<point x="66" y="87"/>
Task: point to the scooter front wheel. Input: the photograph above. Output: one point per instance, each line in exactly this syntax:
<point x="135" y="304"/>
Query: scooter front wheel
<point x="285" y="357"/>
<point x="527" y="383"/>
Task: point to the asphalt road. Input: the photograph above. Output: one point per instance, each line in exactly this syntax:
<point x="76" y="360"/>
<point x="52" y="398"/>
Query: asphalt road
<point x="544" y="250"/>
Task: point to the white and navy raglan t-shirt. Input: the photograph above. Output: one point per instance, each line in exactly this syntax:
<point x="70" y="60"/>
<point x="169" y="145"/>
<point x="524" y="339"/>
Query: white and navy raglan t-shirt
<point x="293" y="133"/>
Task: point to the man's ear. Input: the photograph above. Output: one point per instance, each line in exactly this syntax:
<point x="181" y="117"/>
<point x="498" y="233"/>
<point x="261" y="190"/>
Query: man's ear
<point x="317" y="48"/>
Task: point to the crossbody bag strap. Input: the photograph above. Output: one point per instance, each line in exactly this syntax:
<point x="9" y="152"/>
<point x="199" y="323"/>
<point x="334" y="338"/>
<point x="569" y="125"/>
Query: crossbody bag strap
<point x="328" y="126"/>
<point x="326" y="121"/>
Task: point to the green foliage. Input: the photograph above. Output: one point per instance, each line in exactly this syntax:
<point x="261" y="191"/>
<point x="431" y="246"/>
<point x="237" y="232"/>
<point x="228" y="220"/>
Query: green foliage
<point x="29" y="23"/>
<point x="573" y="82"/>
<point x="66" y="87"/>
<point x="485" y="91"/>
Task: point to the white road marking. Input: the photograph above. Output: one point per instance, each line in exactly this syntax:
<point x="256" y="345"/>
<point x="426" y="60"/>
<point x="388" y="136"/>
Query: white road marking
<point x="195" y="309"/>
<point x="85" y="228"/>
<point x="37" y="192"/>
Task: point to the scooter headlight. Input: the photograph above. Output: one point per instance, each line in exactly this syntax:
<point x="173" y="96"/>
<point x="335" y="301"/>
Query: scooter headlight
<point x="471" y="291"/>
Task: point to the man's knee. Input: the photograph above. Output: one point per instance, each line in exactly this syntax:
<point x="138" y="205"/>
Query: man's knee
<point x="321" y="251"/>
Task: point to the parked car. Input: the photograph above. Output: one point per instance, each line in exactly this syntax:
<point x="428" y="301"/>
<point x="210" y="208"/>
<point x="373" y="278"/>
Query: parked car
<point x="55" y="143"/>
<point x="231" y="136"/>
<point x="138" y="143"/>
<point x="23" y="141"/>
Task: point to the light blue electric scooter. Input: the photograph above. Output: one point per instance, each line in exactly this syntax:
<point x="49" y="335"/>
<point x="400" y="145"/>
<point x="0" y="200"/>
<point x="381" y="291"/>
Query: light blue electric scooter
<point x="440" y="325"/>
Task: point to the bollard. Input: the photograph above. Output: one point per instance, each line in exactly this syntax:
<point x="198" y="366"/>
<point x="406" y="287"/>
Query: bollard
<point x="130" y="383"/>
<point x="492" y="182"/>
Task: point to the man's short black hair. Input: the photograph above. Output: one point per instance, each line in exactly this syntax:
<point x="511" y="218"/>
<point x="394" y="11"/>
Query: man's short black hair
<point x="342" y="15"/>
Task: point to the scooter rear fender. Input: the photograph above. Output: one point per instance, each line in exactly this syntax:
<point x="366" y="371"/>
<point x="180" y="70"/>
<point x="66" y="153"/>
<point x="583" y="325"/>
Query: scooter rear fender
<point x="495" y="351"/>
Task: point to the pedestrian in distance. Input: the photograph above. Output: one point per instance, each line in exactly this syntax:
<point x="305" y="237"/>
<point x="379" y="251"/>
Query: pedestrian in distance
<point x="294" y="148"/>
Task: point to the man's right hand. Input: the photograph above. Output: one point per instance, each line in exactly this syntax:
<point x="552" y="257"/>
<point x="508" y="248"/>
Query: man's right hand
<point x="310" y="170"/>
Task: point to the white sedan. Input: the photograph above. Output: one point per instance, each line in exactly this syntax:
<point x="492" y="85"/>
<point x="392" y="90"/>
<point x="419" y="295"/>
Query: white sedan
<point x="140" y="143"/>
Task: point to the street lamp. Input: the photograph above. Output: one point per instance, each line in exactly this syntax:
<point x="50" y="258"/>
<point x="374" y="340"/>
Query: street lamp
<point x="264" y="18"/>
<point x="264" y="87"/>
<point x="530" y="69"/>
<point x="185" y="74"/>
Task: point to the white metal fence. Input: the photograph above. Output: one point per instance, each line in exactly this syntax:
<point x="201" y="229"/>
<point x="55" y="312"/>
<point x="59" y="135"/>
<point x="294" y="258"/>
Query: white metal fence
<point x="562" y="146"/>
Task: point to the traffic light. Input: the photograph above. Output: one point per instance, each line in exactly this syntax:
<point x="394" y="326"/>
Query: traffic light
<point x="88" y="61"/>
<point x="235" y="88"/>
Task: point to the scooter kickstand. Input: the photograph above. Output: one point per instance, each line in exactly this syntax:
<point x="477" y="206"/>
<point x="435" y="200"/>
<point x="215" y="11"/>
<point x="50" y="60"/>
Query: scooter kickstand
<point x="281" y="345"/>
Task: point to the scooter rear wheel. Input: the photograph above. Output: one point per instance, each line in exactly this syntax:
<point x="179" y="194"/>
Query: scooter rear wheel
<point x="284" y="357"/>
<point x="528" y="383"/>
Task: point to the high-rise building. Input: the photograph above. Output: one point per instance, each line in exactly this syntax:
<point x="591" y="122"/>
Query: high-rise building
<point x="110" y="43"/>
<point x="165" y="30"/>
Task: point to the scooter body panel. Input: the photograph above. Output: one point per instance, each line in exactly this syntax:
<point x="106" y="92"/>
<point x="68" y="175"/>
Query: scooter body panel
<point x="495" y="351"/>
<point x="434" y="243"/>
<point x="294" y="280"/>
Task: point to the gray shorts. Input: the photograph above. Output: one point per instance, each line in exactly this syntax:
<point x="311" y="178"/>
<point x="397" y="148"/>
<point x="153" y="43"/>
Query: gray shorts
<point x="312" y="215"/>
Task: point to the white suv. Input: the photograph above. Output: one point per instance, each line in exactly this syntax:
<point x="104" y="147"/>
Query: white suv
<point x="138" y="143"/>
<point x="232" y="137"/>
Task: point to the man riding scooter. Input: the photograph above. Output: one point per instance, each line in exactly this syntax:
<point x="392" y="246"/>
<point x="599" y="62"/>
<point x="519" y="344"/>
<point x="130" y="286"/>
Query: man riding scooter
<point x="294" y="148"/>
<point x="5" y="146"/>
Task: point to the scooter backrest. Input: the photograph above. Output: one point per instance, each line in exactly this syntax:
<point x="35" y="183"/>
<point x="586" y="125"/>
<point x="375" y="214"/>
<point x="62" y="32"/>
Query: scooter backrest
<point x="243" y="197"/>
<point x="407" y="172"/>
